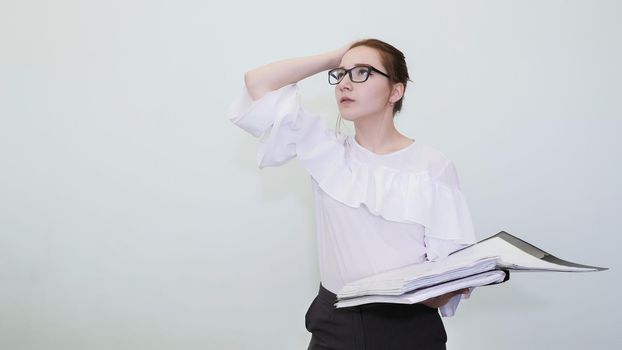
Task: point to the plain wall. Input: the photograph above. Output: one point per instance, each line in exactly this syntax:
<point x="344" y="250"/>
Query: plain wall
<point x="133" y="216"/>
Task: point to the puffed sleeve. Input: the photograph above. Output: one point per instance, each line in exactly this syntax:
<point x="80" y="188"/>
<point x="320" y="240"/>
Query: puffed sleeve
<point x="451" y="227"/>
<point x="280" y="123"/>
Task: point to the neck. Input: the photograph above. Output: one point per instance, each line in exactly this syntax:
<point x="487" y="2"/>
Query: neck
<point x="379" y="135"/>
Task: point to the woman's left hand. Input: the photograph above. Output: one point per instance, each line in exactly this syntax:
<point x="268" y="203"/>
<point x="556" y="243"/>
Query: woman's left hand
<point x="441" y="300"/>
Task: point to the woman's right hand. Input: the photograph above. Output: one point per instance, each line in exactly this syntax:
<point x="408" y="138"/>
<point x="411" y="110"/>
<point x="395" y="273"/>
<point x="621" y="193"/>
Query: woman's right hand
<point x="337" y="54"/>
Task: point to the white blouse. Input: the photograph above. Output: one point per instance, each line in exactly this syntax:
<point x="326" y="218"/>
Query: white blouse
<point x="373" y="212"/>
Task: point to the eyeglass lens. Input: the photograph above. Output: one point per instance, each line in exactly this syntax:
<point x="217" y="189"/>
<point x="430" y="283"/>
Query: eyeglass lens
<point x="357" y="74"/>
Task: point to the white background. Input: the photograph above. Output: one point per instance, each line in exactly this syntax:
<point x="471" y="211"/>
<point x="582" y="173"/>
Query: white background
<point x="132" y="215"/>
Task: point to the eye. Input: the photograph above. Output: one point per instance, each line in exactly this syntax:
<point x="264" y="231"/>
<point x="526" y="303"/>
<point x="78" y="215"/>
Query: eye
<point x="361" y="72"/>
<point x="337" y="73"/>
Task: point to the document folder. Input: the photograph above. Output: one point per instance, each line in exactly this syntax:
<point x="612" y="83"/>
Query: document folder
<point x="483" y="263"/>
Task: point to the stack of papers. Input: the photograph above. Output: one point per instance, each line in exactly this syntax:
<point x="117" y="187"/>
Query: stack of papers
<point x="483" y="263"/>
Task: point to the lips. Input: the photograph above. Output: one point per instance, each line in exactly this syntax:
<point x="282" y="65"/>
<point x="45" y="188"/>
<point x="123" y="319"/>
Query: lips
<point x="346" y="100"/>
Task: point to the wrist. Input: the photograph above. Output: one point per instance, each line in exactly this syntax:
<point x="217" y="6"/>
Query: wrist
<point x="330" y="60"/>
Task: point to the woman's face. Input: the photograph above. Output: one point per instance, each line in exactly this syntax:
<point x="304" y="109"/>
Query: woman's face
<point x="367" y="99"/>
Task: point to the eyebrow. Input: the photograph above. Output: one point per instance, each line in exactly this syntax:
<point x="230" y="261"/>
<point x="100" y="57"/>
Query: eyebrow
<point x="358" y="65"/>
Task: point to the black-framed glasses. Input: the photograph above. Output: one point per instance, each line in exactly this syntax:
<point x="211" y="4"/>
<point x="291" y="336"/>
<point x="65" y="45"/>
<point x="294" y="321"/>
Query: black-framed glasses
<point x="358" y="74"/>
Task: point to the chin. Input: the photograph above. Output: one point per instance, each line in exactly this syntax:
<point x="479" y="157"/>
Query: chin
<point x="349" y="116"/>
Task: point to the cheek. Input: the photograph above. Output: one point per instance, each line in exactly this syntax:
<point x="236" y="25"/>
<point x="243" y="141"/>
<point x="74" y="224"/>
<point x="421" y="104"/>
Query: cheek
<point x="378" y="95"/>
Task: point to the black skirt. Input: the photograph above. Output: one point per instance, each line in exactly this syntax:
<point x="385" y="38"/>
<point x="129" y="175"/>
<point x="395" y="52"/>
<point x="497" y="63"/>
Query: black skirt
<point x="378" y="326"/>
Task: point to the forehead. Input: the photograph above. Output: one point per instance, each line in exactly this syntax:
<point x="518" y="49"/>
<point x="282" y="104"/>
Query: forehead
<point x="361" y="55"/>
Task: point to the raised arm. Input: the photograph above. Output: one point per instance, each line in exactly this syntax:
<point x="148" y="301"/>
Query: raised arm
<point x="261" y="80"/>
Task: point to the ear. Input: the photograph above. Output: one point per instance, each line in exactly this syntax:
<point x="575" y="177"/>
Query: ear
<point x="397" y="92"/>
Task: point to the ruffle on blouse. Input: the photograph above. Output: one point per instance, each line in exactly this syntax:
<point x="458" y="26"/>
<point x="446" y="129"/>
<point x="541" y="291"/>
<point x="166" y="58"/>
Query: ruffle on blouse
<point x="286" y="131"/>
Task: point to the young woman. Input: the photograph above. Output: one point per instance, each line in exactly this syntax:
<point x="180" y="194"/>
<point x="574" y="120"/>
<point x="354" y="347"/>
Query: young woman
<point x="382" y="199"/>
